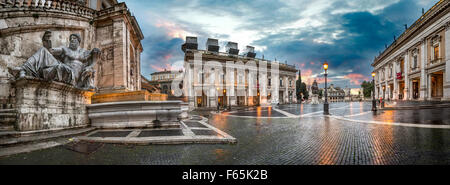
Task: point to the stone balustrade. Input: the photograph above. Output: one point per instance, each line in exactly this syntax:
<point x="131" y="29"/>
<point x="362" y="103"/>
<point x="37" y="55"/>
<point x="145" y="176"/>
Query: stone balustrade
<point x="58" y="5"/>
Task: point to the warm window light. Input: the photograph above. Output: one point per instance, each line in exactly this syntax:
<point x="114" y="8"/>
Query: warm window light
<point x="373" y="74"/>
<point x="325" y="66"/>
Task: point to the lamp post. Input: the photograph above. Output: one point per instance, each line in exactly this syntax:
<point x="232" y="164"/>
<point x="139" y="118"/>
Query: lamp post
<point x="374" y="102"/>
<point x="218" y="105"/>
<point x="325" y="105"/>
<point x="223" y="99"/>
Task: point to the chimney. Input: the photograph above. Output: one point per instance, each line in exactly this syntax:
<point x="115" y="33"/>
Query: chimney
<point x="191" y="44"/>
<point x="232" y="48"/>
<point x="250" y="52"/>
<point x="212" y="45"/>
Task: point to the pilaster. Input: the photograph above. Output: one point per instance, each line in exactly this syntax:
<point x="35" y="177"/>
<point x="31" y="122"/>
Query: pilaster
<point x="423" y="77"/>
<point x="447" y="63"/>
<point x="407" y="86"/>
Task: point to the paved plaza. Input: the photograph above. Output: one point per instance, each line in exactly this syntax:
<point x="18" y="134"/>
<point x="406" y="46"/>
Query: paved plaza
<point x="287" y="134"/>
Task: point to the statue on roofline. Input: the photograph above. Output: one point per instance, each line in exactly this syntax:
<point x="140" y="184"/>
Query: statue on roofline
<point x="70" y="65"/>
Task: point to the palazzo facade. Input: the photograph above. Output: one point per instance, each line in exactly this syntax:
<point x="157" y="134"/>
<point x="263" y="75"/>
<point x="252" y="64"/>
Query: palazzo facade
<point x="416" y="66"/>
<point x="203" y="89"/>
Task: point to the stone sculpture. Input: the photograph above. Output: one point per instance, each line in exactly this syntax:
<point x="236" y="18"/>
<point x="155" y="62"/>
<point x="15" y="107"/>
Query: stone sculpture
<point x="315" y="92"/>
<point x="71" y="65"/>
<point x="315" y="88"/>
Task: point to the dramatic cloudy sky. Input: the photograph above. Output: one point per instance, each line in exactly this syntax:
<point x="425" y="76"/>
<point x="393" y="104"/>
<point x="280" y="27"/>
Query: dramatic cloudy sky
<point x="346" y="33"/>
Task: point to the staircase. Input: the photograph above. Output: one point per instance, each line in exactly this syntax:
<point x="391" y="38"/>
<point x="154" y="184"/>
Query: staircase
<point x="7" y="117"/>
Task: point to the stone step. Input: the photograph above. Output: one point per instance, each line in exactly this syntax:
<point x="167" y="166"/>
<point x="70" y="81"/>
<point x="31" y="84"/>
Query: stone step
<point x="6" y="128"/>
<point x="6" y="106"/>
<point x="7" y="111"/>
<point x="13" y="138"/>
<point x="7" y="118"/>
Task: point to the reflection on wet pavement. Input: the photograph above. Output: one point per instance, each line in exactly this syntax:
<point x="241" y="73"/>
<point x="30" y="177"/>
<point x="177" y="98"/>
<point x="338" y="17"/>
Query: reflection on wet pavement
<point x="307" y="140"/>
<point x="439" y="116"/>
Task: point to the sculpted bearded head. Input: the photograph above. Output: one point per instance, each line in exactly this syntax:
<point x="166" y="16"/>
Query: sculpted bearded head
<point x="75" y="40"/>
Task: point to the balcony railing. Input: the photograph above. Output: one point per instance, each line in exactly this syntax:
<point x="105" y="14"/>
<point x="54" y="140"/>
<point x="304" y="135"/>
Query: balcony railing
<point x="59" y="5"/>
<point x="435" y="61"/>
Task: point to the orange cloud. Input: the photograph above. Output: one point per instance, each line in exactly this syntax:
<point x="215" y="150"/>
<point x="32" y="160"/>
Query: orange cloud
<point x="356" y="78"/>
<point x="307" y="76"/>
<point x="172" y="30"/>
<point x="167" y="57"/>
<point x="322" y="80"/>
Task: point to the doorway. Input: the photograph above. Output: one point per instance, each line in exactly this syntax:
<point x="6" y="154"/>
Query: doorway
<point x="401" y="90"/>
<point x="437" y="85"/>
<point x="415" y="90"/>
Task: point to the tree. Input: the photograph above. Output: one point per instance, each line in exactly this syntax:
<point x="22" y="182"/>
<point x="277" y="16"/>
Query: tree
<point x="304" y="91"/>
<point x="298" y="86"/>
<point x="367" y="89"/>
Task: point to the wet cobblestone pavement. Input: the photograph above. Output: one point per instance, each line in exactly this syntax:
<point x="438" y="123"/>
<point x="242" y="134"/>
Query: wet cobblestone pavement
<point x="304" y="140"/>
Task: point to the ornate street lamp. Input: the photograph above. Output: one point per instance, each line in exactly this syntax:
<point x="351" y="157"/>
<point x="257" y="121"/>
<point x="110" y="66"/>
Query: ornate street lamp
<point x="374" y="102"/>
<point x="223" y="99"/>
<point x="325" y="105"/>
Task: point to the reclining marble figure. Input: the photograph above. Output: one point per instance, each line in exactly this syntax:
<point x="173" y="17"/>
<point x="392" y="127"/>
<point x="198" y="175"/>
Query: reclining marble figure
<point x="71" y="65"/>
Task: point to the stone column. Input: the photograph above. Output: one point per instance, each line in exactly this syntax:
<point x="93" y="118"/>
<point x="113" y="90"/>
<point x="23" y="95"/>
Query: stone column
<point x="447" y="63"/>
<point x="286" y="89"/>
<point x="213" y="97"/>
<point x="394" y="74"/>
<point x="423" y="75"/>
<point x="275" y="83"/>
<point x="188" y="84"/>
<point x="407" y="87"/>
<point x="386" y="77"/>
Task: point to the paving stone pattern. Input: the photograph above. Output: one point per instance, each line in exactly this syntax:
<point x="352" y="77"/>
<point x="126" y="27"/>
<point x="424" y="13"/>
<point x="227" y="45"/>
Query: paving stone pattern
<point x="300" y="141"/>
<point x="154" y="133"/>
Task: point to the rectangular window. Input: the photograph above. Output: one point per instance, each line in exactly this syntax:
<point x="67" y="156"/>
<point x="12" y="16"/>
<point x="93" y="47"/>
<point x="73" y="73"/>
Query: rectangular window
<point x="436" y="52"/>
<point x="270" y="82"/>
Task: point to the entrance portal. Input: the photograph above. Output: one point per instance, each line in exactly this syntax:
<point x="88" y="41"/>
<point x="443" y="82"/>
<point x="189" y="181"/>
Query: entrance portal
<point x="437" y="85"/>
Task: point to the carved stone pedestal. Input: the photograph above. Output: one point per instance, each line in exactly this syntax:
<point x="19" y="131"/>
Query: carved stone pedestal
<point x="42" y="105"/>
<point x="315" y="99"/>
